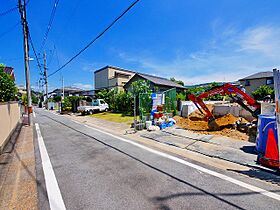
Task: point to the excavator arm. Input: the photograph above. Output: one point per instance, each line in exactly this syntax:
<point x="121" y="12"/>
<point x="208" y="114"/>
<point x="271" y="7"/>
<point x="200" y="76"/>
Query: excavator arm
<point x="227" y="89"/>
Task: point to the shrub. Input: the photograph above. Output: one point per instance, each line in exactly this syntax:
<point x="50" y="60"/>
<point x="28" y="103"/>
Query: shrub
<point x="8" y="88"/>
<point x="68" y="101"/>
<point x="263" y="91"/>
<point x="35" y="100"/>
<point x="180" y="96"/>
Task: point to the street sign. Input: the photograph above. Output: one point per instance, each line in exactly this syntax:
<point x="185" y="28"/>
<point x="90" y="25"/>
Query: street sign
<point x="276" y="76"/>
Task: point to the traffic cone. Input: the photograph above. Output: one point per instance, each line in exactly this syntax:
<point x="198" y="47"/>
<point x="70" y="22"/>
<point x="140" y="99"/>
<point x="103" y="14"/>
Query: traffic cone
<point x="271" y="157"/>
<point x="271" y="150"/>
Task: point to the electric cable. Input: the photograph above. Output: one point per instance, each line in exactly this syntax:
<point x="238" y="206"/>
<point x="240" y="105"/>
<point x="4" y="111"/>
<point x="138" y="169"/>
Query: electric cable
<point x="49" y="24"/>
<point x="97" y="37"/>
<point x="10" y="29"/>
<point x="34" y="51"/>
<point x="9" y="11"/>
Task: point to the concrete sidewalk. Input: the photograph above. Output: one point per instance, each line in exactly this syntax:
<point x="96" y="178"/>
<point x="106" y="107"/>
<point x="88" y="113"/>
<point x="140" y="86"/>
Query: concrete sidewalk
<point x="240" y="152"/>
<point x="18" y="188"/>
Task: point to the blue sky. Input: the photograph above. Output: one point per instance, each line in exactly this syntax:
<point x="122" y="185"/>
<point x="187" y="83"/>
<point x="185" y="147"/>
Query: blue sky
<point x="192" y="40"/>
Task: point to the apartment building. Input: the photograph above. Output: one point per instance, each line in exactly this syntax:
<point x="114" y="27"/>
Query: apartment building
<point x="110" y="77"/>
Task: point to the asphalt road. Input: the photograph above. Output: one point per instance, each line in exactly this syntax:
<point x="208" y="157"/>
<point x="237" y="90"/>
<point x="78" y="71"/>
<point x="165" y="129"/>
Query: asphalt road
<point x="98" y="171"/>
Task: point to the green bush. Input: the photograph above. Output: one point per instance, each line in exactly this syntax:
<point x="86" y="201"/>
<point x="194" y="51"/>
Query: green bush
<point x="57" y="98"/>
<point x="180" y="96"/>
<point x="35" y="100"/>
<point x="263" y="91"/>
<point x="8" y="88"/>
<point x="68" y="101"/>
<point x="199" y="90"/>
<point x="140" y="86"/>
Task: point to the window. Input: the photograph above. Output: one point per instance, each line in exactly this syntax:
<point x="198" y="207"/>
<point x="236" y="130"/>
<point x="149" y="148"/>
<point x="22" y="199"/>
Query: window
<point x="101" y="102"/>
<point x="247" y="82"/>
<point x="95" y="103"/>
<point x="269" y="81"/>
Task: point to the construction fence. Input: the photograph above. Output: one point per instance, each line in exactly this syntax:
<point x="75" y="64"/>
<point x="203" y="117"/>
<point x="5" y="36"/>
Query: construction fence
<point x="148" y="103"/>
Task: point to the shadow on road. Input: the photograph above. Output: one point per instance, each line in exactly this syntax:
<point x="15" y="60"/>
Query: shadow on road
<point x="260" y="174"/>
<point x="249" y="149"/>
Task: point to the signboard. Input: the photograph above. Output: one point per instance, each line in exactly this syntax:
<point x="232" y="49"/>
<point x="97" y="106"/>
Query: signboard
<point x="156" y="100"/>
<point x="276" y="75"/>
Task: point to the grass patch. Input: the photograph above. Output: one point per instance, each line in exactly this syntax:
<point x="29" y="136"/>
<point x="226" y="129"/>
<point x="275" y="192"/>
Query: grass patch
<point x="114" y="117"/>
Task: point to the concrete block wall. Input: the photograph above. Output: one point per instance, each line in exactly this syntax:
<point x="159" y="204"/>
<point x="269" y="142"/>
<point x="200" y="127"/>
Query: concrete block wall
<point x="222" y="108"/>
<point x="187" y="107"/>
<point x="9" y="118"/>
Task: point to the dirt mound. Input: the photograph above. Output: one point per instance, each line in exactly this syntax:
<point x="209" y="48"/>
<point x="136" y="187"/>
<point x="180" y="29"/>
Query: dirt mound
<point x="201" y="125"/>
<point x="226" y="124"/>
<point x="198" y="116"/>
<point x="226" y="121"/>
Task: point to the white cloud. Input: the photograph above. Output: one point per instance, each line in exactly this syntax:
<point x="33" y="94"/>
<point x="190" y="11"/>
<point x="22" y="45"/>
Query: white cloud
<point x="229" y="55"/>
<point x="83" y="86"/>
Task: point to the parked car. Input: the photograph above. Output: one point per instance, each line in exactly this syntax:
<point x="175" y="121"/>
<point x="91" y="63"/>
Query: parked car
<point x="98" y="105"/>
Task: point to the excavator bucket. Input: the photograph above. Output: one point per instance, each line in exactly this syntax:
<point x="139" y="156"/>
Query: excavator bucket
<point x="212" y="125"/>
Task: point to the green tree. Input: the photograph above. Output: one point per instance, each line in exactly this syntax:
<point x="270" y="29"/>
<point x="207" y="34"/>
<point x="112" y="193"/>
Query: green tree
<point x="68" y="101"/>
<point x="201" y="89"/>
<point x="8" y="88"/>
<point x="34" y="99"/>
<point x="141" y="89"/>
<point x="180" y="82"/>
<point x="215" y="97"/>
<point x="67" y="104"/>
<point x="103" y="94"/>
<point x="140" y="86"/>
<point x="24" y="99"/>
<point x="263" y="91"/>
<point x="181" y="96"/>
<point x="57" y="98"/>
<point x="195" y="90"/>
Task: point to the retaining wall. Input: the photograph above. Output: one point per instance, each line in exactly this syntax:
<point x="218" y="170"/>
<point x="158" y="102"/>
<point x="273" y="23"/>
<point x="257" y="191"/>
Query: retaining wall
<point x="10" y="116"/>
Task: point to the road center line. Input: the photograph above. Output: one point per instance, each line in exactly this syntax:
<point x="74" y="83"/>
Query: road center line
<point x="53" y="191"/>
<point x="34" y="115"/>
<point x="200" y="168"/>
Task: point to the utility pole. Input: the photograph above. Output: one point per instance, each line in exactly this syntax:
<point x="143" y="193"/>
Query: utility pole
<point x="22" y="11"/>
<point x="61" y="94"/>
<point x="62" y="88"/>
<point x="46" y="79"/>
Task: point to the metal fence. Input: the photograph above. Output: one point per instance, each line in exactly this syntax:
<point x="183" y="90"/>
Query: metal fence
<point x="168" y="101"/>
<point x="145" y="105"/>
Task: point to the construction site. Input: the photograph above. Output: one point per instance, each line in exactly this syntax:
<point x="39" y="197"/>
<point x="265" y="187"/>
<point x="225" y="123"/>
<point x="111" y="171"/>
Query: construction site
<point x="238" y="117"/>
<point x="228" y="124"/>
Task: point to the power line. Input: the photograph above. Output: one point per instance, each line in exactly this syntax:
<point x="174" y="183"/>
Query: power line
<point x="50" y="24"/>
<point x="34" y="51"/>
<point x="9" y="11"/>
<point x="51" y="56"/>
<point x="97" y="37"/>
<point x="10" y="29"/>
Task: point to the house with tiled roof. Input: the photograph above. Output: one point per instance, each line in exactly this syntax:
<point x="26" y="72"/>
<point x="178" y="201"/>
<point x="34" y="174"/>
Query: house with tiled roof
<point x="252" y="82"/>
<point x="157" y="83"/>
<point x="10" y="71"/>
<point x="110" y="77"/>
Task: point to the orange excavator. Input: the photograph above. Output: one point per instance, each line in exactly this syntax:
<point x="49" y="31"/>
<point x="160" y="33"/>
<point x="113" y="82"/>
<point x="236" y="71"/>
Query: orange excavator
<point x="235" y="93"/>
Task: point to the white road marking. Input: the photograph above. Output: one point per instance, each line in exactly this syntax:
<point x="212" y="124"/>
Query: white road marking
<point x="200" y="168"/>
<point x="53" y="191"/>
<point x="34" y="115"/>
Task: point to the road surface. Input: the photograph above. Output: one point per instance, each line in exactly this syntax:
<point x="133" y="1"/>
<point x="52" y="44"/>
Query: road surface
<point x="79" y="167"/>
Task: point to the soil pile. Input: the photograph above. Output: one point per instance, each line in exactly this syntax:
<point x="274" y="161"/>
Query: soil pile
<point x="226" y="123"/>
<point x="197" y="115"/>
